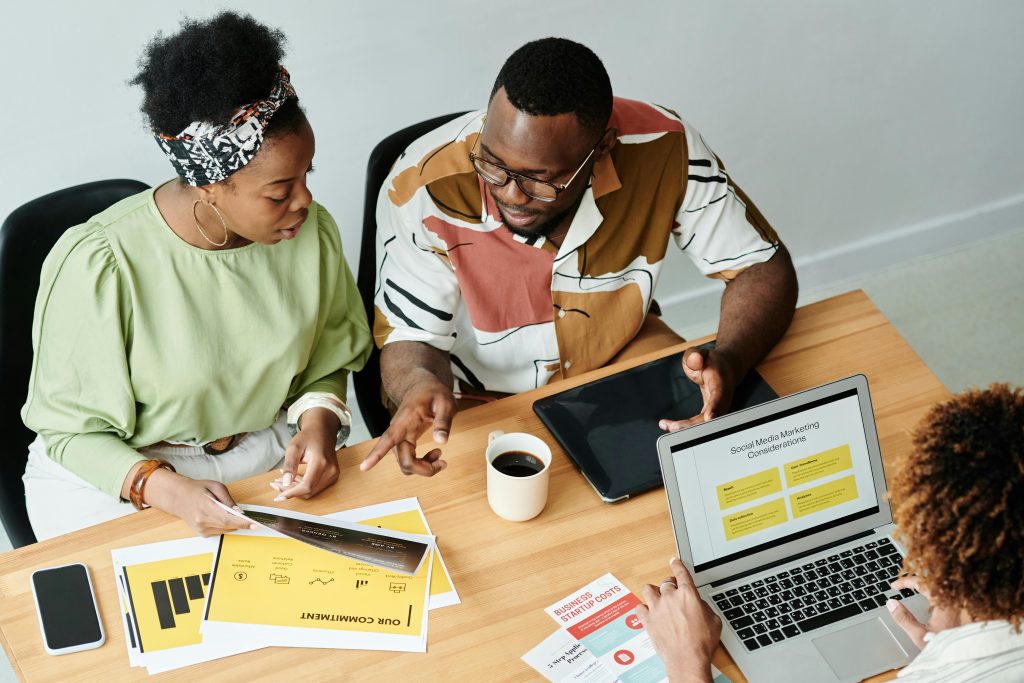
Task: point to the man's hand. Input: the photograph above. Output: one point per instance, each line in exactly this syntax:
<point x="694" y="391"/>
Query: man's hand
<point x="940" y="620"/>
<point x="427" y="404"/>
<point x="716" y="374"/>
<point x="314" y="447"/>
<point x="193" y="501"/>
<point x="757" y="307"/>
<point x="683" y="629"/>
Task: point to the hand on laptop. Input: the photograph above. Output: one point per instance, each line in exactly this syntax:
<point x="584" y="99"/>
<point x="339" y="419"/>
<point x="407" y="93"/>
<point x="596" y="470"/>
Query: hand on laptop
<point x="941" y="618"/>
<point x="714" y="373"/>
<point x="683" y="629"/>
<point x="428" y="404"/>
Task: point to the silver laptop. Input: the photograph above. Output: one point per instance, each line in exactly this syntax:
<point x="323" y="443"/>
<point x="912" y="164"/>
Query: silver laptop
<point x="780" y="513"/>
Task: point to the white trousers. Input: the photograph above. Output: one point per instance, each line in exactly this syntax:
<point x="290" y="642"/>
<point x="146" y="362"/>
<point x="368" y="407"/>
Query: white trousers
<point x="60" y="501"/>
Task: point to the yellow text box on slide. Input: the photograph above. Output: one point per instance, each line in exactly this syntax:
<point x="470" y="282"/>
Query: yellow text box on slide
<point x="753" y="519"/>
<point x="818" y="465"/>
<point x="823" y="497"/>
<point x="752" y="487"/>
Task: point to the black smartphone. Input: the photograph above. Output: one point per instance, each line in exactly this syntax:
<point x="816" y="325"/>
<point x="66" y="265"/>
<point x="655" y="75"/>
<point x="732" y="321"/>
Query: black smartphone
<point x="67" y="611"/>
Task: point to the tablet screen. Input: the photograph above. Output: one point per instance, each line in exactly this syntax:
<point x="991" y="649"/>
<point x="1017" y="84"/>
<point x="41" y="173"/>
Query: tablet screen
<point x="609" y="428"/>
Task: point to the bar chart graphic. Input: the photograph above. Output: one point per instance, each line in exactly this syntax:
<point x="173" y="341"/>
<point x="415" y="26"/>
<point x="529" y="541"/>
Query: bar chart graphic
<point x="167" y="598"/>
<point x="173" y="596"/>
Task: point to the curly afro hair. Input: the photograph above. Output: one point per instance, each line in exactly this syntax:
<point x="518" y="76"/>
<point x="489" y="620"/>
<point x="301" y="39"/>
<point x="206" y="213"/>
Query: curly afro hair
<point x="557" y="76"/>
<point x="959" y="503"/>
<point x="209" y="69"/>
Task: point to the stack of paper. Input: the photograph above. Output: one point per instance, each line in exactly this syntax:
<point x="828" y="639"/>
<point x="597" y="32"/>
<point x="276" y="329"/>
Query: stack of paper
<point x="162" y="589"/>
<point x="199" y="599"/>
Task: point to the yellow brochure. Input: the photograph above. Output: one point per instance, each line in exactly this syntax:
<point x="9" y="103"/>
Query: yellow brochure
<point x="168" y="597"/>
<point x="276" y="589"/>
<point x="163" y="589"/>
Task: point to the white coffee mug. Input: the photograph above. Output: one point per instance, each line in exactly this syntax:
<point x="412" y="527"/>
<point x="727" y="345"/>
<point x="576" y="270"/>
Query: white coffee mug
<point x="517" y="499"/>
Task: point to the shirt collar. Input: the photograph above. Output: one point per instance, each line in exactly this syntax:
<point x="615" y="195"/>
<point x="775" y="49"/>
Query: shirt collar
<point x="604" y="180"/>
<point x="584" y="224"/>
<point x="977" y="640"/>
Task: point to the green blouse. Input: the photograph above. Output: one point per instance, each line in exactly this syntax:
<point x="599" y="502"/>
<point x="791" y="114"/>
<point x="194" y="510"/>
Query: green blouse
<point x="140" y="337"/>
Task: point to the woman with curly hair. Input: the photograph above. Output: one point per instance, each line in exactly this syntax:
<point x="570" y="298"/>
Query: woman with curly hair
<point x="958" y="501"/>
<point x="171" y="329"/>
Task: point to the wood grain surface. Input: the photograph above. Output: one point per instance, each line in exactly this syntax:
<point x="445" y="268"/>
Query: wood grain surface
<point x="505" y="572"/>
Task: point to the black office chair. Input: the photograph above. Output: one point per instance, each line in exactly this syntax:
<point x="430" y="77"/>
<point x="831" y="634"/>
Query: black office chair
<point x="26" y="238"/>
<point x="382" y="158"/>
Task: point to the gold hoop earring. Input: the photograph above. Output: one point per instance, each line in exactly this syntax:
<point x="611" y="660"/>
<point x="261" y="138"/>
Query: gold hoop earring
<point x="199" y="227"/>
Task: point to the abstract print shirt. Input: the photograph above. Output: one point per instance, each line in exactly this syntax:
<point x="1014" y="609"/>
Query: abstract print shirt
<point x="515" y="313"/>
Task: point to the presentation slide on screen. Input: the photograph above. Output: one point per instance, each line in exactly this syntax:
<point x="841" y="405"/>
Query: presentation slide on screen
<point x="778" y="478"/>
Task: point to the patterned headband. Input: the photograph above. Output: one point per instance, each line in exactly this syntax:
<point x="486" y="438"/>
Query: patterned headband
<point x="205" y="153"/>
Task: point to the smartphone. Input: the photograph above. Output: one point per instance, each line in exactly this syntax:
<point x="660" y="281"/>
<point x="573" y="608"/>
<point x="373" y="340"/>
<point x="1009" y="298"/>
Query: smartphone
<point x="67" y="610"/>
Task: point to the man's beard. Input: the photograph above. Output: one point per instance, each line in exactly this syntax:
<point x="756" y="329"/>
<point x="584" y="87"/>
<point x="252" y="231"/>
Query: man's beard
<point x="544" y="229"/>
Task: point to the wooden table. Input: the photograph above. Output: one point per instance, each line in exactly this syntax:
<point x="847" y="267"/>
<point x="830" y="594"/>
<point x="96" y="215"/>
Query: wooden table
<point x="505" y="572"/>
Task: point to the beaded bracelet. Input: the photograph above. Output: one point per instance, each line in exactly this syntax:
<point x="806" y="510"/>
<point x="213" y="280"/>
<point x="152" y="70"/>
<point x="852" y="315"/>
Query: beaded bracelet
<point x="141" y="477"/>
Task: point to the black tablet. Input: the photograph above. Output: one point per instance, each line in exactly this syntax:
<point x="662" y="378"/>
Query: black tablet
<point x="609" y="427"/>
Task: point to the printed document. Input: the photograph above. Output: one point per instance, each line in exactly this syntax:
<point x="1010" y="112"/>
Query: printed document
<point x="602" y="616"/>
<point x="276" y="589"/>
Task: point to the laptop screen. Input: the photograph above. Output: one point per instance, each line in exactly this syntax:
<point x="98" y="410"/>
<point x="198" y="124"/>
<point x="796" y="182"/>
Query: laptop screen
<point x="775" y="479"/>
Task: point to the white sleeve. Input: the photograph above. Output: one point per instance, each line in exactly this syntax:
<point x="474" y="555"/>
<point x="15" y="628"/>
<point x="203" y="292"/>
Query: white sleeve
<point x="417" y="294"/>
<point x="719" y="228"/>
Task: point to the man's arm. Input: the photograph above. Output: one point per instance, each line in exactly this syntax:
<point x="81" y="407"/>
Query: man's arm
<point x="418" y="379"/>
<point x="405" y="364"/>
<point x="757" y="307"/>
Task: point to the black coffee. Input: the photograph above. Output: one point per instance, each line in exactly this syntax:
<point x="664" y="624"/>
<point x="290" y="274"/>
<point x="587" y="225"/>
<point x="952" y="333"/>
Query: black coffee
<point x="518" y="464"/>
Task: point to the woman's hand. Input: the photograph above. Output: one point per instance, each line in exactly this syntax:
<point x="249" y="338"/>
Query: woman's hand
<point x="683" y="629"/>
<point x="194" y="501"/>
<point x="314" y="447"/>
<point x="940" y="619"/>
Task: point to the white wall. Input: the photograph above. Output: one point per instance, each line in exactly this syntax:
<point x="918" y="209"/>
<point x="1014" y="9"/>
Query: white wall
<point x="866" y="131"/>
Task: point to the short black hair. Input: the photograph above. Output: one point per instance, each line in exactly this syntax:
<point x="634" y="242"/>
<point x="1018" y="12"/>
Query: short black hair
<point x="209" y="69"/>
<point x="557" y="76"/>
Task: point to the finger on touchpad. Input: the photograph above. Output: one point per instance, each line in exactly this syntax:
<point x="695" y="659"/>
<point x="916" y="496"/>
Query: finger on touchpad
<point x="862" y="650"/>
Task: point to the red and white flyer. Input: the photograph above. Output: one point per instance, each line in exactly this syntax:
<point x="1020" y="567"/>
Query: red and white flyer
<point x="602" y="616"/>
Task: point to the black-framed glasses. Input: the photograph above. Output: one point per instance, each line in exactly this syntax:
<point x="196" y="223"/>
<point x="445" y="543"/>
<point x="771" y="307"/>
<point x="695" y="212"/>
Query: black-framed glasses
<point x="541" y="190"/>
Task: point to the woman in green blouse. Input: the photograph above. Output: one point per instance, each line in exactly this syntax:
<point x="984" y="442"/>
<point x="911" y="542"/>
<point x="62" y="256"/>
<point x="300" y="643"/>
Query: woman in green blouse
<point x="171" y="329"/>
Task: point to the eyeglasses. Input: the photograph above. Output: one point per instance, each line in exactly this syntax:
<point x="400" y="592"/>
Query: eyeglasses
<point x="541" y="190"/>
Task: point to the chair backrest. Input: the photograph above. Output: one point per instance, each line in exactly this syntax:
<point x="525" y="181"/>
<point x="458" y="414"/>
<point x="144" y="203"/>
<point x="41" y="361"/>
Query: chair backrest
<point x="382" y="158"/>
<point x="26" y="238"/>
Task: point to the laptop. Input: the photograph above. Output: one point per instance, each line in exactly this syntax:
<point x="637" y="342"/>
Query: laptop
<point x="608" y="427"/>
<point x="780" y="513"/>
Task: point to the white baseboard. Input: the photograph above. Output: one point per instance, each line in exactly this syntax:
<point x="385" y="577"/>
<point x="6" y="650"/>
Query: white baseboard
<point x="876" y="253"/>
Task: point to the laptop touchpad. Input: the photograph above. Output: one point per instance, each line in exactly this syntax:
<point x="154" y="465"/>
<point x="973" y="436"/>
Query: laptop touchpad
<point x="847" y="651"/>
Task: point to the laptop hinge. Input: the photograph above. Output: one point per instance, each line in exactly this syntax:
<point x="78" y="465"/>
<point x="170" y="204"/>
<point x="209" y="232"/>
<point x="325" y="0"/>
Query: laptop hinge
<point x="791" y="558"/>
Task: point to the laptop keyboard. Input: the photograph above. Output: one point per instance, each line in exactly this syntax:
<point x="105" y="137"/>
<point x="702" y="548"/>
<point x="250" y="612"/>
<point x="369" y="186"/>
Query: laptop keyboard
<point x="813" y="595"/>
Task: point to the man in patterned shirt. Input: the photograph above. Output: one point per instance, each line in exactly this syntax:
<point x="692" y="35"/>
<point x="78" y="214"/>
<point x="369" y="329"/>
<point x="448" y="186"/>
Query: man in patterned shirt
<point x="522" y="244"/>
